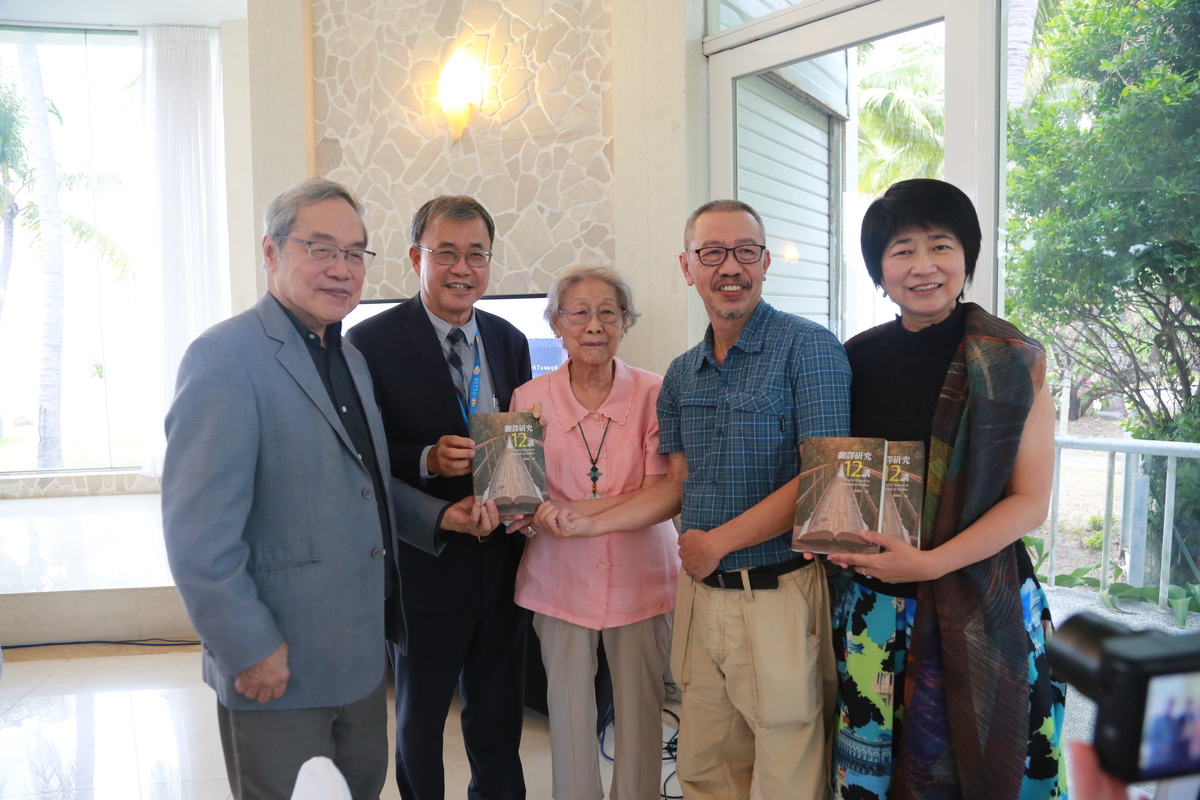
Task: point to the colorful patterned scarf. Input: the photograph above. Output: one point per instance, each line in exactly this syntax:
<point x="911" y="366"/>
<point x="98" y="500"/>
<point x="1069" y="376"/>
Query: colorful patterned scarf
<point x="966" y="707"/>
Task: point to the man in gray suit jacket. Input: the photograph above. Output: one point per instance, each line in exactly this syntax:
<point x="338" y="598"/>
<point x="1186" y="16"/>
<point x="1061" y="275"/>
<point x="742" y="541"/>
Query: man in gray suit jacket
<point x="280" y="513"/>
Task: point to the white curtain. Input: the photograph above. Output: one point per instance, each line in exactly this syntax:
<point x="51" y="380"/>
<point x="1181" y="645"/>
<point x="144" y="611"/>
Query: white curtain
<point x="181" y="101"/>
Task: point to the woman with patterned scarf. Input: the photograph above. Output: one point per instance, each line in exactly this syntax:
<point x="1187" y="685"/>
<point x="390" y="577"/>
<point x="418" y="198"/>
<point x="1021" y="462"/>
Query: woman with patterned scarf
<point x="945" y="691"/>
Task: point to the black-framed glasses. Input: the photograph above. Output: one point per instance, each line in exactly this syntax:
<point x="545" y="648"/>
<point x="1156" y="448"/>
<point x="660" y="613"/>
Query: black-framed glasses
<point x="580" y="316"/>
<point x="744" y="253"/>
<point x="477" y="259"/>
<point x="325" y="254"/>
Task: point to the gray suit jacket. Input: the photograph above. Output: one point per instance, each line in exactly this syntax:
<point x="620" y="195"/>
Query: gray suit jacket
<point x="271" y="526"/>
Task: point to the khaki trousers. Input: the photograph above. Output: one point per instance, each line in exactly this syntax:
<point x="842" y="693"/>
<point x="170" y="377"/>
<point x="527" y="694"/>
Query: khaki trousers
<point x="635" y="661"/>
<point x="759" y="688"/>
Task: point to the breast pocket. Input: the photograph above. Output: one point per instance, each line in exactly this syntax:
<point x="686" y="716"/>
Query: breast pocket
<point x="762" y="420"/>
<point x="767" y="410"/>
<point x="697" y="412"/>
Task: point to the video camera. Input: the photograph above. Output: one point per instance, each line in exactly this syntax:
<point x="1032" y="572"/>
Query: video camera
<point x="1146" y="685"/>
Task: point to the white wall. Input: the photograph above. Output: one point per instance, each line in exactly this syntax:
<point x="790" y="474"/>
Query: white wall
<point x="660" y="102"/>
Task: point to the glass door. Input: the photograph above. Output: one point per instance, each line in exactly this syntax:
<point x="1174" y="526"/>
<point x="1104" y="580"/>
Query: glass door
<point x="789" y="168"/>
<point x="812" y="123"/>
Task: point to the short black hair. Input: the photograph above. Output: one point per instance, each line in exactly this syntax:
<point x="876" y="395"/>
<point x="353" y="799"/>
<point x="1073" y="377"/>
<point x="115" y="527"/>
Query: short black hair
<point x="448" y="206"/>
<point x="919" y="204"/>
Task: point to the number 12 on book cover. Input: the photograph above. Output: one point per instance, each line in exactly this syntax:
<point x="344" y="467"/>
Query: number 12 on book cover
<point x="850" y="484"/>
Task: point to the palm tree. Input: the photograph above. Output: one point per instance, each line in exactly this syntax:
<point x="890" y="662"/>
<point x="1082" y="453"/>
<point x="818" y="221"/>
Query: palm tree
<point x="45" y="191"/>
<point x="1022" y="17"/>
<point x="14" y="175"/>
<point x="1027" y="21"/>
<point x="901" y="114"/>
<point x="20" y="138"/>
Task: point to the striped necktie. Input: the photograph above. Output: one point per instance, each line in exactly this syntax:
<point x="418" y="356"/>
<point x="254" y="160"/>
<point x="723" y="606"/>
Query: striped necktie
<point x="457" y="339"/>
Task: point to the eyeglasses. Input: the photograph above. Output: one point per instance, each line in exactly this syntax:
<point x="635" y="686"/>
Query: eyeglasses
<point x="580" y="316"/>
<point x="744" y="253"/>
<point x="326" y="254"/>
<point x="477" y="259"/>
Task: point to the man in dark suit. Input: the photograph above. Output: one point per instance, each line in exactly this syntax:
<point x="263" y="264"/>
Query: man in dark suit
<point x="436" y="359"/>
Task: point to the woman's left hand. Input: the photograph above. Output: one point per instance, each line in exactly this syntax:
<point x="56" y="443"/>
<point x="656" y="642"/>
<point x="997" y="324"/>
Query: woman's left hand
<point x="522" y="525"/>
<point x="898" y="563"/>
<point x="562" y="522"/>
<point x="537" y="412"/>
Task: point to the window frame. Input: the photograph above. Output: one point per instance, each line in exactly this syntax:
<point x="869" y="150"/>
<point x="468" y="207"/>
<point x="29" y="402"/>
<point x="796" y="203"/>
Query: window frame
<point x="974" y="93"/>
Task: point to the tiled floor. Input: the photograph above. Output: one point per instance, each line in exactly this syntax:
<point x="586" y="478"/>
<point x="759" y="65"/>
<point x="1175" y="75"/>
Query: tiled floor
<point x="106" y="728"/>
<point x="140" y="727"/>
<point x="144" y="728"/>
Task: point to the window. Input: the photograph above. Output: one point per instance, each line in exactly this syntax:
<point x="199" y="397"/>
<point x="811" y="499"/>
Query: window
<point x="1102" y="186"/>
<point x="815" y="139"/>
<point x="73" y="302"/>
<point x="1103" y="246"/>
<point x="790" y="169"/>
<point x="725" y="14"/>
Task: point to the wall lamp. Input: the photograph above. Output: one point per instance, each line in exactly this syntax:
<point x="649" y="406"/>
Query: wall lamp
<point x="460" y="87"/>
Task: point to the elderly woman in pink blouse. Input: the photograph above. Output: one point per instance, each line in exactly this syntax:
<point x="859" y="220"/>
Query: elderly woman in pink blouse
<point x="601" y="437"/>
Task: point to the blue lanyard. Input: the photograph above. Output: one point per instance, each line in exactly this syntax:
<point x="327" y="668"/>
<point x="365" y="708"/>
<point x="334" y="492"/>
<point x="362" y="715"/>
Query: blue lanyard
<point x="474" y="391"/>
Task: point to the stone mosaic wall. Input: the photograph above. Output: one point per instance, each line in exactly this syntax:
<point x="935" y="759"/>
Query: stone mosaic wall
<point x="81" y="485"/>
<point x="537" y="154"/>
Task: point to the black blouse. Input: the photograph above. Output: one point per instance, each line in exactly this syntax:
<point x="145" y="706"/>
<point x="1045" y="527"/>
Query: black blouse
<point x="897" y="379"/>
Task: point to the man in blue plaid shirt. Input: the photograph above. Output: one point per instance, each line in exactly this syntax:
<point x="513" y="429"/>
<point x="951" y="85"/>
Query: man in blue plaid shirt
<point x="752" y="645"/>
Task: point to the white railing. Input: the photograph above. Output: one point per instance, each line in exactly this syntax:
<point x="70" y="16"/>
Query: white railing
<point x="1134" y="505"/>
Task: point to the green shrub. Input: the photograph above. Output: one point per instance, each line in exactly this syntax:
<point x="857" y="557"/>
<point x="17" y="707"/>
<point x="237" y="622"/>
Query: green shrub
<point x="1183" y="427"/>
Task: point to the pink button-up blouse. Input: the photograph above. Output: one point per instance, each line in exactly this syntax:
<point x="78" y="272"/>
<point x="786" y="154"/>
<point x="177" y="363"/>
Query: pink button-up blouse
<point x="618" y="578"/>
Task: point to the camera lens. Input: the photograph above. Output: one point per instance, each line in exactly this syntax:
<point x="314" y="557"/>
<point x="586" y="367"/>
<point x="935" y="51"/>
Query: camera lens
<point x="1074" y="650"/>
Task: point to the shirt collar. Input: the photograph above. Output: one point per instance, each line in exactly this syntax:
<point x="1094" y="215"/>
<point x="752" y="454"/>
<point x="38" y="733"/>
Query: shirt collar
<point x="749" y="341"/>
<point x="333" y="331"/>
<point x="616" y="406"/>
<point x="442" y="327"/>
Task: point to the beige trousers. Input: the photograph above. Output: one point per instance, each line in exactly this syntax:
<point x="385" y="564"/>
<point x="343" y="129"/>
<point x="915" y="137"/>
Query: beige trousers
<point x="636" y="663"/>
<point x="759" y="688"/>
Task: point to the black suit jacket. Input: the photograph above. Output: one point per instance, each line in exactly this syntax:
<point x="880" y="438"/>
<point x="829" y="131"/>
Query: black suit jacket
<point x="419" y="406"/>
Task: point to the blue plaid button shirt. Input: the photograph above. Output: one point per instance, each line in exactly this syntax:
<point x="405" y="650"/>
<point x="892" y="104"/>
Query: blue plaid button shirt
<point x="740" y="423"/>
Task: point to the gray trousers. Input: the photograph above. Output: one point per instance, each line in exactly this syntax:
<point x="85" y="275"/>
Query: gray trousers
<point x="635" y="659"/>
<point x="264" y="750"/>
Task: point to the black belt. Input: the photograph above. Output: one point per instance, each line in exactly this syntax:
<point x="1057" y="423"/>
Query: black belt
<point x="765" y="577"/>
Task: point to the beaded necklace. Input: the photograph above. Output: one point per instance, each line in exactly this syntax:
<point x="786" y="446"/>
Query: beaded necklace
<point x="594" y="473"/>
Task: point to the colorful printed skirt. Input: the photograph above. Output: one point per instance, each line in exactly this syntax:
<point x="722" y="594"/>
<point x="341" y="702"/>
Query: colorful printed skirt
<point x="870" y="637"/>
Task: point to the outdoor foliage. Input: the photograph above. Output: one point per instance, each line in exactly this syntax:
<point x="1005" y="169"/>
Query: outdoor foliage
<point x="1181" y="599"/>
<point x="32" y="184"/>
<point x="902" y="114"/>
<point x="14" y="175"/>
<point x="1183" y="427"/>
<point x="1104" y="225"/>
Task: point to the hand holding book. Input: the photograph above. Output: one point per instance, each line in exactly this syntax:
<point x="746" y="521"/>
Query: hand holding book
<point x="898" y="561"/>
<point x="849" y="484"/>
<point x="468" y="516"/>
<point x="451" y="456"/>
<point x="536" y="411"/>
